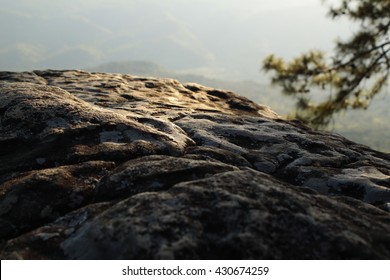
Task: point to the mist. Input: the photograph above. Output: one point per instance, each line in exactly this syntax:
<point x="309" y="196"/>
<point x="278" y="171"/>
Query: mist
<point x="218" y="39"/>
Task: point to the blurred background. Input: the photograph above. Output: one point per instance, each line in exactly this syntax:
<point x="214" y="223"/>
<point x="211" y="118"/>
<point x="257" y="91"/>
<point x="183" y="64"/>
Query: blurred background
<point x="218" y="43"/>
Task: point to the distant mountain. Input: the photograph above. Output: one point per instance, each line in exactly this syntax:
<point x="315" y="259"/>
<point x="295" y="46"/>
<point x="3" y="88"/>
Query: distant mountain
<point x="139" y="68"/>
<point x="227" y="39"/>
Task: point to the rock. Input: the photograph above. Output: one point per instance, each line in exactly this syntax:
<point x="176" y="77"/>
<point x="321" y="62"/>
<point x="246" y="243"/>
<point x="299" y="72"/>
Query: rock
<point x="108" y="166"/>
<point x="213" y="219"/>
<point x="45" y="242"/>
<point x="326" y="163"/>
<point x="40" y="196"/>
<point x="36" y="120"/>
<point x="160" y="173"/>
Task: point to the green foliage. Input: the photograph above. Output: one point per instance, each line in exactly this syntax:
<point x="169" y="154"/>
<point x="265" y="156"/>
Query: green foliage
<point x="357" y="72"/>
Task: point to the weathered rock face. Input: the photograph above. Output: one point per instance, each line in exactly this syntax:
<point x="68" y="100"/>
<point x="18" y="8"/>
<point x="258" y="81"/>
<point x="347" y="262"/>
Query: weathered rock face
<point x="105" y="166"/>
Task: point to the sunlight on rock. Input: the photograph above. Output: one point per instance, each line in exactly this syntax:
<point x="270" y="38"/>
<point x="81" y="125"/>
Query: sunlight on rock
<point x="109" y="166"/>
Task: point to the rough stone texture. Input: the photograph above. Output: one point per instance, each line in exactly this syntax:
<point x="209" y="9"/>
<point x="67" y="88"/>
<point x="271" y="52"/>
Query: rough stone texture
<point x="107" y="166"/>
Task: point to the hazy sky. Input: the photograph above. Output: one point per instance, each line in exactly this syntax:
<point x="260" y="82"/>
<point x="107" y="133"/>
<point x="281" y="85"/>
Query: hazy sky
<point x="218" y="38"/>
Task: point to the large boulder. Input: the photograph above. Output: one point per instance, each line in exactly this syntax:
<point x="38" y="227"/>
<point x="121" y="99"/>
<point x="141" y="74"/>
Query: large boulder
<point x="108" y="166"/>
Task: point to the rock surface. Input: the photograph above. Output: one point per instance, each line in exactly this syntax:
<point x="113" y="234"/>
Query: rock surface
<point x="107" y="166"/>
